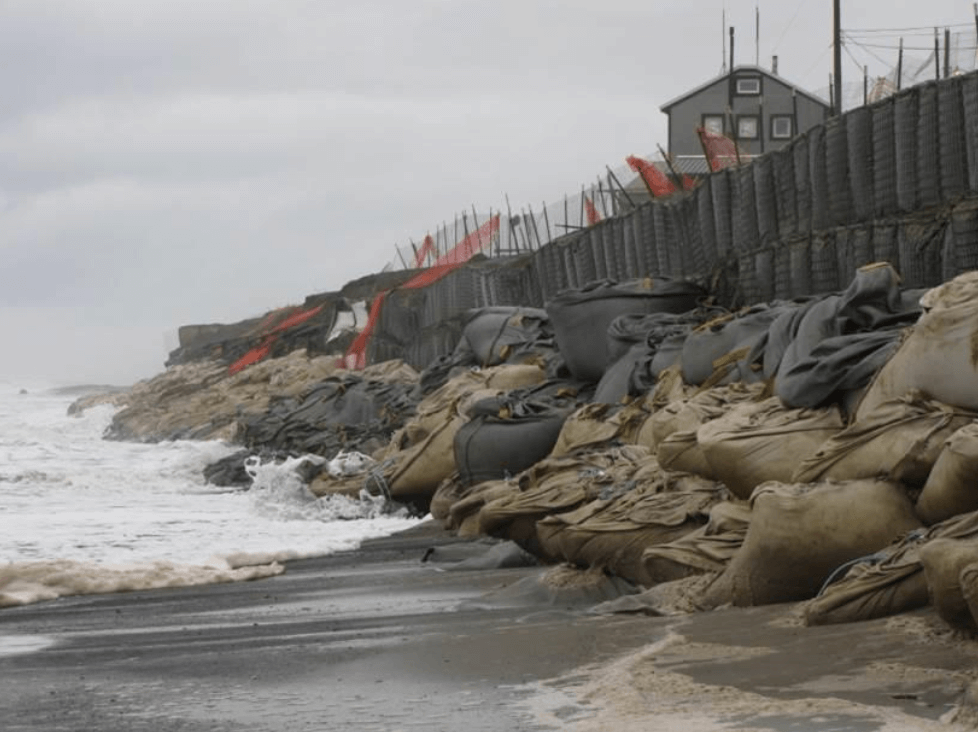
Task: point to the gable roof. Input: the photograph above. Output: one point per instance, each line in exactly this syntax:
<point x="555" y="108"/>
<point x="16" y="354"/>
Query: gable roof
<point x="752" y="69"/>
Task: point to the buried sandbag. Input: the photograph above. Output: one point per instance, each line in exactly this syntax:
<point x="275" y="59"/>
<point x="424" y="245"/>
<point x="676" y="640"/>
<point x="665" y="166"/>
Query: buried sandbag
<point x="899" y="440"/>
<point x="943" y="560"/>
<point x="758" y="442"/>
<point x="707" y="549"/>
<point x="504" y="437"/>
<point x="556" y="587"/>
<point x="717" y="351"/>
<point x="951" y="488"/>
<point x="798" y="534"/>
<point x="556" y="485"/>
<point x="493" y="334"/>
<point x="598" y="426"/>
<point x="886" y="582"/>
<point x="481" y="555"/>
<point x="581" y="317"/>
<point x="938" y="355"/>
<point x="613" y="533"/>
<point x="690" y="412"/>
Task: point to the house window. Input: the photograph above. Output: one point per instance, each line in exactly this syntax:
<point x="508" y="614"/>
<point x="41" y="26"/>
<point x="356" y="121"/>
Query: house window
<point x="749" y="85"/>
<point x="782" y="126"/>
<point x="713" y="123"/>
<point x="747" y="127"/>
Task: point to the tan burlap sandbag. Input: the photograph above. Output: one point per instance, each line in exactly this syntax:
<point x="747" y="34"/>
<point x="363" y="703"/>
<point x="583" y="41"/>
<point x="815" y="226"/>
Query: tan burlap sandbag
<point x="419" y="469"/>
<point x="943" y="560"/>
<point x="900" y="440"/>
<point x="707" y="549"/>
<point x="938" y="354"/>
<point x="556" y="485"/>
<point x="800" y="533"/>
<point x="886" y="582"/>
<point x="688" y="414"/>
<point x="681" y="452"/>
<point x="449" y="492"/>
<point x="463" y="515"/>
<point x="969" y="588"/>
<point x="951" y="487"/>
<point x="614" y="533"/>
<point x="757" y="442"/>
<point x="598" y="425"/>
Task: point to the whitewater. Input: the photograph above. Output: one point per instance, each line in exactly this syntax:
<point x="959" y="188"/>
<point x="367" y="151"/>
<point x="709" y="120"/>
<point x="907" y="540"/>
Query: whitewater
<point x="82" y="515"/>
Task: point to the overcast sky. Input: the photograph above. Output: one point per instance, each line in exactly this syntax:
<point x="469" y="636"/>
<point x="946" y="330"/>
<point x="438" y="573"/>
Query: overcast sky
<point x="165" y="162"/>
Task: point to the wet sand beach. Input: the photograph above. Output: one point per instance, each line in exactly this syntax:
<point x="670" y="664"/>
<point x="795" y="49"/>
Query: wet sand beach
<point x="376" y="639"/>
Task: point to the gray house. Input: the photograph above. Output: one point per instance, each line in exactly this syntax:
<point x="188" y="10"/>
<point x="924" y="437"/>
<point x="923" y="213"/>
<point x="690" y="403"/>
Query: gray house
<point x="749" y="104"/>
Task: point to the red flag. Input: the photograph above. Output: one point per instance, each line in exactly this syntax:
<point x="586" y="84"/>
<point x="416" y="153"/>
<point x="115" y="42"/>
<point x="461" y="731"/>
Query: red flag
<point x="592" y="213"/>
<point x="657" y="181"/>
<point x="720" y="151"/>
<point x="427" y="248"/>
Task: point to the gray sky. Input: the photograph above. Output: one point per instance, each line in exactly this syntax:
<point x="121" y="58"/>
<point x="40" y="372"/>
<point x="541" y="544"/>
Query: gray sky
<point x="165" y="162"/>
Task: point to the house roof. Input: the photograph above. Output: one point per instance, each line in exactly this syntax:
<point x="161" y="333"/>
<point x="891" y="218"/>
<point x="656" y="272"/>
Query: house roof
<point x="752" y="69"/>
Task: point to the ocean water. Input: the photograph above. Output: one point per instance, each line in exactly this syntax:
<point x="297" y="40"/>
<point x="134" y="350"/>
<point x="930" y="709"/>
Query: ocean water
<point x="79" y="514"/>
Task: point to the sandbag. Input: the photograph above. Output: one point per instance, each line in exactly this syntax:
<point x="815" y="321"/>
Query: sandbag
<point x="716" y="351"/>
<point x="419" y="469"/>
<point x="494" y="333"/>
<point x="504" y="437"/>
<point x="449" y="492"/>
<point x="758" y="442"/>
<point x="943" y="560"/>
<point x="799" y="533"/>
<point x="581" y="317"/>
<point x="900" y="440"/>
<point x="968" y="578"/>
<point x="600" y="425"/>
<point x="941" y="342"/>
<point x="614" y="533"/>
<point x="682" y="452"/>
<point x="707" y="549"/>
<point x="886" y="582"/>
<point x="555" y="485"/>
<point x="951" y="487"/>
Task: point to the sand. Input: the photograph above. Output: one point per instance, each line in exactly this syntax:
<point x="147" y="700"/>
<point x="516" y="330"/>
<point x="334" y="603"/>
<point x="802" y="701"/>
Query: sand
<point x="376" y="639"/>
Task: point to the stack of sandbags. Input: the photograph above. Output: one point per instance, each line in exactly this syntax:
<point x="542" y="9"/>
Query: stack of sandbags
<point x="800" y="533"/>
<point x="951" y="488"/>
<point x="581" y="317"/>
<point x="613" y="533"/>
<point x="899" y="440"/>
<point x="707" y="549"/>
<point x="938" y="355"/>
<point x="555" y="485"/>
<point x="494" y="335"/>
<point x="886" y="582"/>
<point x="759" y="442"/>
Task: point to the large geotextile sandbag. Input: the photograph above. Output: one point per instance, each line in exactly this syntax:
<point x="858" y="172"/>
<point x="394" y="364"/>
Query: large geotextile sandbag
<point x="494" y="333"/>
<point x="580" y="318"/>
<point x="800" y="533"/>
<point x="716" y="352"/>
<point x="504" y="437"/>
<point x="613" y="533"/>
<point x="759" y="442"/>
<point x="555" y="485"/>
<point x="419" y="469"/>
<point x="943" y="560"/>
<point x="938" y="355"/>
<point x="707" y="549"/>
<point x="951" y="487"/>
<point x="900" y="440"/>
<point x="886" y="582"/>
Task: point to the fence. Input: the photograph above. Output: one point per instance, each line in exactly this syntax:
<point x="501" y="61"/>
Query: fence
<point x="894" y="181"/>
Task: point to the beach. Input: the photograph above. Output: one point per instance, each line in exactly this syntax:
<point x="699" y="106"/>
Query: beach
<point x="377" y="639"/>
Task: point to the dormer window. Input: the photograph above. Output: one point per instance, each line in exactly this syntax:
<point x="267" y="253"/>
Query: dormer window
<point x="749" y="85"/>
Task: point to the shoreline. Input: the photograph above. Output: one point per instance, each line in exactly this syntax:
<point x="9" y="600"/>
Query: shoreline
<point x="376" y="639"/>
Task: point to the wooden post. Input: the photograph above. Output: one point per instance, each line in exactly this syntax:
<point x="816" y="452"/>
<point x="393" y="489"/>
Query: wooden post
<point x="676" y="178"/>
<point x="546" y="221"/>
<point x="937" y="55"/>
<point x="899" y="73"/>
<point x="947" y="53"/>
<point x="837" y="35"/>
<point x="865" y="85"/>
<point x="415" y="250"/>
<point x="401" y="256"/>
<point x="510" y="236"/>
<point x="580" y="220"/>
<point x="536" y="231"/>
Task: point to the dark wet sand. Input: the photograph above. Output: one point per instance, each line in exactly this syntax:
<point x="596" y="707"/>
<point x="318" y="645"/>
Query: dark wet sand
<point x="376" y="640"/>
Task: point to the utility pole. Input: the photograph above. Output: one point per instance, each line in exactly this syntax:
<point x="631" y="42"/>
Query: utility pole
<point x="837" y="42"/>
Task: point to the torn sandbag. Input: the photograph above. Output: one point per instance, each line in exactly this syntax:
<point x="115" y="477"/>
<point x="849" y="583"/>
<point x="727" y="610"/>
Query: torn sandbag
<point x="950" y="488"/>
<point x="707" y="549"/>
<point x="505" y="436"/>
<point x="799" y="533"/>
<point x="900" y="440"/>
<point x="614" y="533"/>
<point x="757" y="442"/>
<point x="943" y="560"/>
<point x="942" y="342"/>
<point x="581" y="317"/>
